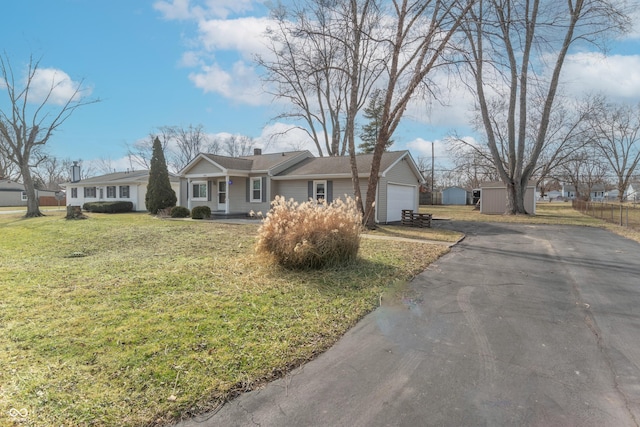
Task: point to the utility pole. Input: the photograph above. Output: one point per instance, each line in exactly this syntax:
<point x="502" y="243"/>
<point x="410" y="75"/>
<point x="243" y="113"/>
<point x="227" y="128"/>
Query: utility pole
<point x="432" y="163"/>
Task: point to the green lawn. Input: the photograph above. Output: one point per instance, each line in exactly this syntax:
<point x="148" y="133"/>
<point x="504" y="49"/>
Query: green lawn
<point x="130" y="320"/>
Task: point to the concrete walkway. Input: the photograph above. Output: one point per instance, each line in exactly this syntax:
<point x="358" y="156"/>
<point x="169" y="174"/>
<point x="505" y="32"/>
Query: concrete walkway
<point x="519" y="325"/>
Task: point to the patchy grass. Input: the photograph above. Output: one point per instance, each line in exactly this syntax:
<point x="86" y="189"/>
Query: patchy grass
<point x="435" y="234"/>
<point x="555" y="213"/>
<point x="129" y="320"/>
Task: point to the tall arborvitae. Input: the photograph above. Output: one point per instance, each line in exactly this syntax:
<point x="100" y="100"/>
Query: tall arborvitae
<point x="373" y="112"/>
<point x="160" y="195"/>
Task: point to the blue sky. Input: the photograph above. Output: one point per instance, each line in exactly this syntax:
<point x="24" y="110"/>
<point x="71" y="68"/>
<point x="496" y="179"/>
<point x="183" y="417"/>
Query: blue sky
<point x="180" y="62"/>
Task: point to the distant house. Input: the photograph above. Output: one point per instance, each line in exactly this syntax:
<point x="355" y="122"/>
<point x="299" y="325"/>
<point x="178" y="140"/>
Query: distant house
<point x="633" y="191"/>
<point x="455" y="196"/>
<point x="493" y="198"/>
<point x="238" y="185"/>
<point x="130" y="186"/>
<point x="597" y="192"/>
<point x="12" y="193"/>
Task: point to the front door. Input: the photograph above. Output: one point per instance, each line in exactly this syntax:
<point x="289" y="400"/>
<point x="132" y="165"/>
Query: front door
<point x="222" y="195"/>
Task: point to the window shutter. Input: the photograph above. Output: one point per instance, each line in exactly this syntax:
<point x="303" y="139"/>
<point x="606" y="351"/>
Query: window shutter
<point x="310" y="189"/>
<point x="329" y="191"/>
<point x="248" y="189"/>
<point x="209" y="185"/>
<point x="264" y="188"/>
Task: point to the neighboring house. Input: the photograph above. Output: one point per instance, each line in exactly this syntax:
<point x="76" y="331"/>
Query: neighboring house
<point x="130" y="186"/>
<point x="633" y="191"/>
<point x="597" y="192"/>
<point x="12" y="193"/>
<point x="238" y="185"/>
<point x="455" y="196"/>
<point x="493" y="198"/>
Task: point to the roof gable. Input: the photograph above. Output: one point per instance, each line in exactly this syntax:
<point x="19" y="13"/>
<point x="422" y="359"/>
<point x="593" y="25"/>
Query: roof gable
<point x="341" y="165"/>
<point x="261" y="163"/>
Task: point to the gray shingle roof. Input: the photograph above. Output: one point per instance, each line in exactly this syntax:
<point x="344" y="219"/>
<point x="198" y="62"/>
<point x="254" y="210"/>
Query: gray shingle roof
<point x="340" y="165"/>
<point x="262" y="162"/>
<point x="139" y="176"/>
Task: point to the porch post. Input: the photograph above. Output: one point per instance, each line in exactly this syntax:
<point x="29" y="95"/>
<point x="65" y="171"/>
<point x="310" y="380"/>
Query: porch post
<point x="189" y="193"/>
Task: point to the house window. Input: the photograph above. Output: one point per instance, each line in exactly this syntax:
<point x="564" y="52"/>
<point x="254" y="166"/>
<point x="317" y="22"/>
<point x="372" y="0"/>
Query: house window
<point x="319" y="190"/>
<point x="124" y="191"/>
<point x="256" y="189"/>
<point x="74" y="193"/>
<point x="111" y="192"/>
<point x="199" y="190"/>
<point x="90" y="192"/>
<point x="24" y="196"/>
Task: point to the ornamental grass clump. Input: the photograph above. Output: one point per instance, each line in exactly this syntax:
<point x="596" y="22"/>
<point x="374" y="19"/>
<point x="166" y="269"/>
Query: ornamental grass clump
<point x="310" y="235"/>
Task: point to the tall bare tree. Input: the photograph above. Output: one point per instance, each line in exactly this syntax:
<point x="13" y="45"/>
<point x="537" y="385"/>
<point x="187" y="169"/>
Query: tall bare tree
<point x="516" y="52"/>
<point x="190" y="142"/>
<point x="32" y="118"/>
<point x="53" y="171"/>
<point x="419" y="40"/>
<point x="323" y="65"/>
<point x="615" y="132"/>
<point x="140" y="152"/>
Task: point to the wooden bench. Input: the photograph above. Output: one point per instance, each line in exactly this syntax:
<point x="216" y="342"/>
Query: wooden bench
<point x="413" y="219"/>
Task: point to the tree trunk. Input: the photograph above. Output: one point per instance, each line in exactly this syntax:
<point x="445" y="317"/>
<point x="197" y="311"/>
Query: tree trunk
<point x="33" y="209"/>
<point x="515" y="199"/>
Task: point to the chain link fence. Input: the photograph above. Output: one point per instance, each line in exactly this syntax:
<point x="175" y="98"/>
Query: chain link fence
<point x="625" y="215"/>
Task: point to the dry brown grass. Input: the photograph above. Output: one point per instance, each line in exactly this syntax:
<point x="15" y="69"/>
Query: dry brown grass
<point x="310" y="235"/>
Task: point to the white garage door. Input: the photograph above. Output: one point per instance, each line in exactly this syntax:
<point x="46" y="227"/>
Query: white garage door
<point x="400" y="197"/>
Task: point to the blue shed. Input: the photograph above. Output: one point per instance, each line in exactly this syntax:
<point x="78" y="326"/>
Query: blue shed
<point x="454" y="196"/>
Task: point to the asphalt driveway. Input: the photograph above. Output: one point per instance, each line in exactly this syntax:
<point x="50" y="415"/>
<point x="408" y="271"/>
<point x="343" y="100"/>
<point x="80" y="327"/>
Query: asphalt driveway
<point x="519" y="325"/>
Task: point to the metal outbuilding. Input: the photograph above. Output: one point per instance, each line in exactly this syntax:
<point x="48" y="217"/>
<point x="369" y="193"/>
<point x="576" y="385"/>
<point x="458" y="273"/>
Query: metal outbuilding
<point x="455" y="196"/>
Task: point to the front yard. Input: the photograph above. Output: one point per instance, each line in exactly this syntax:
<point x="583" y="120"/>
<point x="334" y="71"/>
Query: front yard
<point x="130" y="320"/>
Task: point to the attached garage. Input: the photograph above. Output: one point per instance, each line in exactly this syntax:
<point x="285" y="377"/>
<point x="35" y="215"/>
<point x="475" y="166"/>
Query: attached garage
<point x="400" y="197"/>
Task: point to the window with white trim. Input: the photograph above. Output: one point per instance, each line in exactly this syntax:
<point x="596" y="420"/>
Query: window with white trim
<point x="111" y="192"/>
<point x="319" y="190"/>
<point x="199" y="190"/>
<point x="74" y="193"/>
<point x="24" y="196"/>
<point x="256" y="189"/>
<point x="90" y="192"/>
<point x="124" y="192"/>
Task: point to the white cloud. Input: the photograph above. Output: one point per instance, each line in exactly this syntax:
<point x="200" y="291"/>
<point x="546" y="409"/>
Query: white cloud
<point x="617" y="76"/>
<point x="243" y="35"/>
<point x="187" y="9"/>
<point x="241" y="83"/>
<point x="280" y="136"/>
<point x="422" y="148"/>
<point x="54" y="84"/>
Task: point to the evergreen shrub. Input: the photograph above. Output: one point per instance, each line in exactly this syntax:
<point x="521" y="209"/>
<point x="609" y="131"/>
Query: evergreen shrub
<point x="201" y="212"/>
<point x="108" y="207"/>
<point x="180" y="212"/>
<point x="310" y="235"/>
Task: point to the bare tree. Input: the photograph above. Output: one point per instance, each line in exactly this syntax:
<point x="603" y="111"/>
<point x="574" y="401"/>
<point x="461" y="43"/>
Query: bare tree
<point x="583" y="171"/>
<point x="472" y="162"/>
<point x="140" y="152"/>
<point x="419" y="41"/>
<point x="53" y="171"/>
<point x="190" y="142"/>
<point x="516" y="51"/>
<point x="615" y="132"/>
<point x="236" y="145"/>
<point x="323" y="64"/>
<point x="31" y="120"/>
